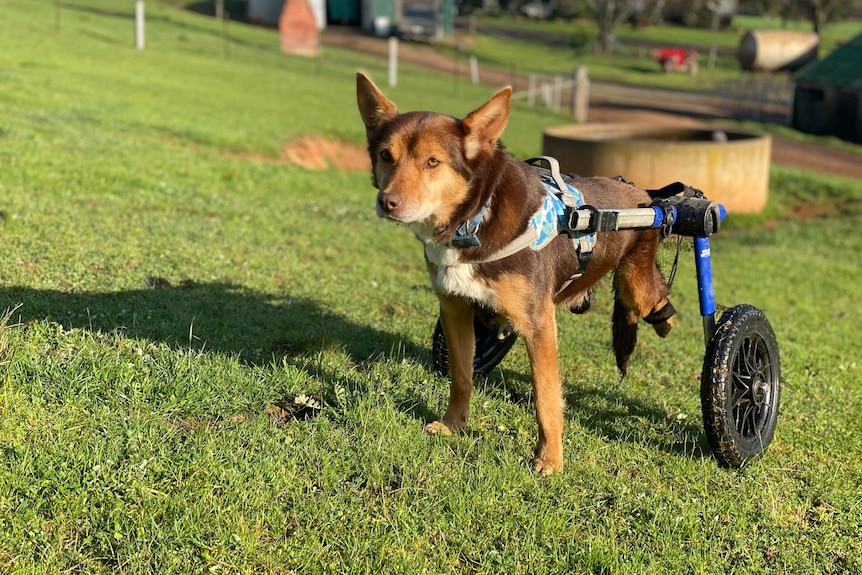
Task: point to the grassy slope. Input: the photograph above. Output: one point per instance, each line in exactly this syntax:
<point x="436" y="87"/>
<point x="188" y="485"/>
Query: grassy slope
<point x="175" y="292"/>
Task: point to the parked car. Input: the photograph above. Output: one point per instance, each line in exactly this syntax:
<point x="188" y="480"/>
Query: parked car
<point x="419" y="22"/>
<point x="537" y="10"/>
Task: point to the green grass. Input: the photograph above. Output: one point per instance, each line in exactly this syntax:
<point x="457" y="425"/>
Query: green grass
<point x="216" y="364"/>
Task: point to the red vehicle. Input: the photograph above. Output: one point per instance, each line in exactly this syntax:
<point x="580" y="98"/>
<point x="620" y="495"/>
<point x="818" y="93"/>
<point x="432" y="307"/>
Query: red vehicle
<point x="672" y="59"/>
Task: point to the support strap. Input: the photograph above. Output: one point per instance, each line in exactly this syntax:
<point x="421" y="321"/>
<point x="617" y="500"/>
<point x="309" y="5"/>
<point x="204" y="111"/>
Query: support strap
<point x="572" y="200"/>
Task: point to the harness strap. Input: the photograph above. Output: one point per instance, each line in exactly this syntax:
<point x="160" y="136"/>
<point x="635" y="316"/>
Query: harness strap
<point x="536" y="236"/>
<point x="583" y="242"/>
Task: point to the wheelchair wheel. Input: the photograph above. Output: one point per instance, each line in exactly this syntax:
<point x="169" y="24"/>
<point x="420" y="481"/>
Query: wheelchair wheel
<point x="490" y="348"/>
<point x="740" y="386"/>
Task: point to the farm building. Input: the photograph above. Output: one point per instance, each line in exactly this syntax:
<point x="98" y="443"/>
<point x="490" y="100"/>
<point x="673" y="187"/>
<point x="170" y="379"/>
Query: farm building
<point x="827" y="98"/>
<point x="373" y="16"/>
<point x="267" y="12"/>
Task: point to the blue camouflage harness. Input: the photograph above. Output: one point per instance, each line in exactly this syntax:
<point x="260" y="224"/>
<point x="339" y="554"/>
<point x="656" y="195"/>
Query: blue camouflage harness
<point x="551" y="220"/>
<point x="554" y="217"/>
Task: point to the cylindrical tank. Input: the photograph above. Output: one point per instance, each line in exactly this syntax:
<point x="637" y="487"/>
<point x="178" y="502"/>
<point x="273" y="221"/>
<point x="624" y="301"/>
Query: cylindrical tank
<point x="730" y="166"/>
<point x="777" y="50"/>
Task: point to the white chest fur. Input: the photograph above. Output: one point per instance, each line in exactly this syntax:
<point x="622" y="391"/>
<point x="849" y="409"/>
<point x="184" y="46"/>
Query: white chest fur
<point x="450" y="276"/>
<point x="460" y="280"/>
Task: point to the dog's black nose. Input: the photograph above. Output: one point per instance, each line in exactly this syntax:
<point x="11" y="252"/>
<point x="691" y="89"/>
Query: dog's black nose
<point x="388" y="202"/>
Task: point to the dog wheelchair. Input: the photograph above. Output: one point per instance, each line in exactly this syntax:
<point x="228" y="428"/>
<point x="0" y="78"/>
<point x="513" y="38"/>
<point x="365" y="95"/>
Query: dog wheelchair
<point x="740" y="382"/>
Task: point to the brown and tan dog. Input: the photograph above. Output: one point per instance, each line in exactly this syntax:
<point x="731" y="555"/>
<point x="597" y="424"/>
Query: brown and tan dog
<point x="434" y="173"/>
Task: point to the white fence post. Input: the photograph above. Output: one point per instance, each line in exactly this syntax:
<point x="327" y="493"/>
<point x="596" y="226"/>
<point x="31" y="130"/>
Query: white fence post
<point x="393" y="61"/>
<point x="558" y="92"/>
<point x="139" y="24"/>
<point x="581" y="95"/>
<point x="474" y="69"/>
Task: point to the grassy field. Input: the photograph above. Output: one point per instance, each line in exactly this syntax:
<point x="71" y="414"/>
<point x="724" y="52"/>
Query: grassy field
<point x="215" y="361"/>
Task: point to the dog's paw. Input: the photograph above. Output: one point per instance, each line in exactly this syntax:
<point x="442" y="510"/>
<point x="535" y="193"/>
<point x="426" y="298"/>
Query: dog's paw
<point x="663" y="328"/>
<point x="440" y="428"/>
<point x="662" y="319"/>
<point x="544" y="466"/>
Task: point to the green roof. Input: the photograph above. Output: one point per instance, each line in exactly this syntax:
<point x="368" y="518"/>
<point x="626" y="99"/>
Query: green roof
<point x="843" y="67"/>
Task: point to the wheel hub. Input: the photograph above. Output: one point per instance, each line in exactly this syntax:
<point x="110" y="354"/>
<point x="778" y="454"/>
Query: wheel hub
<point x="760" y="391"/>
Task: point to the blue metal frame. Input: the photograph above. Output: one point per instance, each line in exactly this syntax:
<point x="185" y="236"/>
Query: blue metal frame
<point x="702" y="260"/>
<point x="705" y="287"/>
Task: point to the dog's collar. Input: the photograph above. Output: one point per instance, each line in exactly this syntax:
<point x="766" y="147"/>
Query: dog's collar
<point x="536" y="236"/>
<point x="465" y="236"/>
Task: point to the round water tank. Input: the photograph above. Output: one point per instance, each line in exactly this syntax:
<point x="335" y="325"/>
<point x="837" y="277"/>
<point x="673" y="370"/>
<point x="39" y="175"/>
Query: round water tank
<point x="730" y="166"/>
<point x="777" y="50"/>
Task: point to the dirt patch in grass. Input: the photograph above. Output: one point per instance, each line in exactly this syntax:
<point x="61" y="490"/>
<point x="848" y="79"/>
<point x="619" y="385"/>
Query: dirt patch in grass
<point x="315" y="152"/>
<point x="808" y="212"/>
<point x="318" y="153"/>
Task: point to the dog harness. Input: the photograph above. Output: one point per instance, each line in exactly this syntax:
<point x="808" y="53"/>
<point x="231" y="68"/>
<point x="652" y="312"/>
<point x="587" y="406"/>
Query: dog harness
<point x="549" y="221"/>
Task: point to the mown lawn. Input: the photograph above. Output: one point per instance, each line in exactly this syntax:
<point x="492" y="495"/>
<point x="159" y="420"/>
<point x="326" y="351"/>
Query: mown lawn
<point x="215" y="361"/>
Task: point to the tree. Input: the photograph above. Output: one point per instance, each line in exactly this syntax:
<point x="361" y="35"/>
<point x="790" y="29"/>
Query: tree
<point x="609" y="14"/>
<point x="818" y="12"/>
<point x="824" y="11"/>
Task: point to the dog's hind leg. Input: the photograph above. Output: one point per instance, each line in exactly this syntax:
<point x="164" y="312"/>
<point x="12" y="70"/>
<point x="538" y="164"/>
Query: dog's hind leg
<point x="640" y="291"/>
<point x="625" y="334"/>
<point x="456" y="315"/>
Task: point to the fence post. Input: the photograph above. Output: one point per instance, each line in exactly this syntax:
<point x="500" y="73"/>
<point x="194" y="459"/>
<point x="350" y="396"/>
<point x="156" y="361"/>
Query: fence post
<point x="474" y="69"/>
<point x="139" y="24"/>
<point x="547" y="94"/>
<point x="225" y="33"/>
<point x="558" y="92"/>
<point x="580" y="94"/>
<point x="393" y="61"/>
<point x="531" y="91"/>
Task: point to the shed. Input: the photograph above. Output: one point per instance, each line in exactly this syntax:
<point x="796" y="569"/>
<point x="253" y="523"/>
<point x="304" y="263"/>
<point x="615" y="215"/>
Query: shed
<point x="827" y="98"/>
<point x="268" y="12"/>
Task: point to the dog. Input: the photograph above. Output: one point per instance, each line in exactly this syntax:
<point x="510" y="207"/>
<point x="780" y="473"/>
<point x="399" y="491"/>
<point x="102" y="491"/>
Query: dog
<point x="439" y="176"/>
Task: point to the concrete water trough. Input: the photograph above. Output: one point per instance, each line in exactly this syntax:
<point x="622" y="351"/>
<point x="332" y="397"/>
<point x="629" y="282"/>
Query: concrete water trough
<point x="730" y="166"/>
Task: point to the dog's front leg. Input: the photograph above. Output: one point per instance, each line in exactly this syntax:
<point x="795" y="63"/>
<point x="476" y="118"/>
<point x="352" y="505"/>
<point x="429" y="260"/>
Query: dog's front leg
<point x="456" y="315"/>
<point x="541" y="340"/>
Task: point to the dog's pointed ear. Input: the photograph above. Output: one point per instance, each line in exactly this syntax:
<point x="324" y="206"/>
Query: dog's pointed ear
<point x="374" y="107"/>
<point x="485" y="125"/>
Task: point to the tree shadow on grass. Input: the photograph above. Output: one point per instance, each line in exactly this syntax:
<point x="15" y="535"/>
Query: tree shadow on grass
<point x="220" y="318"/>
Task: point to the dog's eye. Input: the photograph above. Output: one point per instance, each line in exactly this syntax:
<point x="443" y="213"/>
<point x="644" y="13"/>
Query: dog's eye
<point x="433" y="162"/>
<point x="386" y="155"/>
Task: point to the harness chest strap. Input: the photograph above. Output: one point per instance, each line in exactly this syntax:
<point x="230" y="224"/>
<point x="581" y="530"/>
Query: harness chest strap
<point x="550" y="220"/>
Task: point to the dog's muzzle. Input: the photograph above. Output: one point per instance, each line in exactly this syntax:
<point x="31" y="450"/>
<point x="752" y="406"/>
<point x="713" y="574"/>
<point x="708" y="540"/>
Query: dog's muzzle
<point x="388" y="204"/>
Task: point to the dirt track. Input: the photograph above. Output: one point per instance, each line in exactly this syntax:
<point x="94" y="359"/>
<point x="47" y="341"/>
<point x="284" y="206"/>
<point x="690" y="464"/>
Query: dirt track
<point x="610" y="103"/>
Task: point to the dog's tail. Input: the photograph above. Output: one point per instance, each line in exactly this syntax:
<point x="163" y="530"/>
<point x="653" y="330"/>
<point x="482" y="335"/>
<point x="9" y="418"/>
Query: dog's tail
<point x="648" y="287"/>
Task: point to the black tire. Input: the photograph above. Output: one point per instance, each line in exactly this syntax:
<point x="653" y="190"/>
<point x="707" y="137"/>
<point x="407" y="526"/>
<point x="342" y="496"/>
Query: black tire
<point x="490" y="349"/>
<point x="740" y="386"/>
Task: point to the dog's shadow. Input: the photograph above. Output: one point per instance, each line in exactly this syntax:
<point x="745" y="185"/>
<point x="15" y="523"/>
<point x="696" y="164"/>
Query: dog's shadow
<point x="610" y="412"/>
<point x="258" y="327"/>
